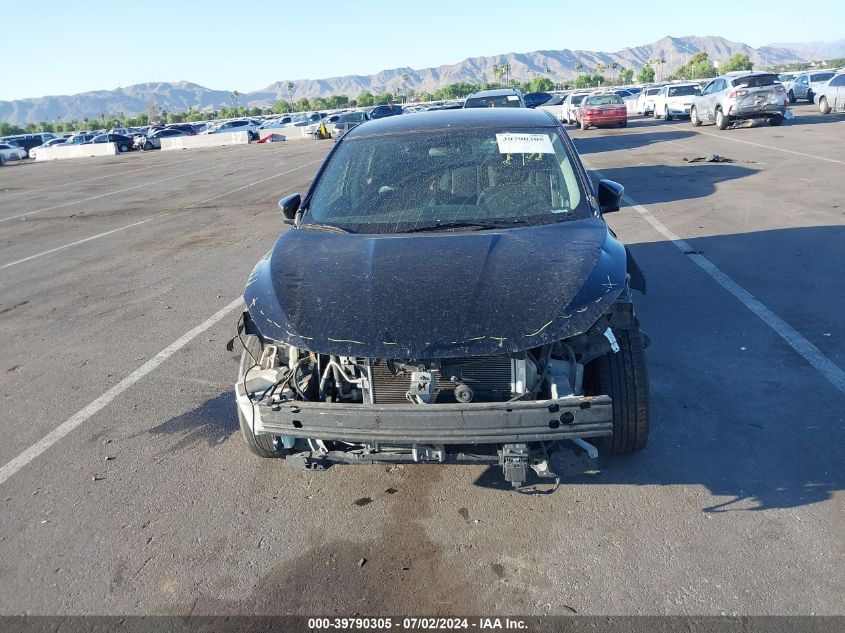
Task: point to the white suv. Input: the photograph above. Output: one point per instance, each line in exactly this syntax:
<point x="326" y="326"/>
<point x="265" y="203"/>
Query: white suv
<point x="238" y="125"/>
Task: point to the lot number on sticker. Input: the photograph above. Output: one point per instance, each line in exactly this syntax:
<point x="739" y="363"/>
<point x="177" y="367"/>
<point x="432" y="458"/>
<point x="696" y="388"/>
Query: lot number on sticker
<point x="511" y="143"/>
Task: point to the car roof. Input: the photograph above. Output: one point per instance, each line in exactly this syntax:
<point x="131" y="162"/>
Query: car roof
<point x="747" y="73"/>
<point x="449" y="119"/>
<point x="497" y="92"/>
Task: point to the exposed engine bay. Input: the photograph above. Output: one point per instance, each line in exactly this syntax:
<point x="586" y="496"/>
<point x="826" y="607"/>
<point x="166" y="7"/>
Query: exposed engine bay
<point x="324" y="409"/>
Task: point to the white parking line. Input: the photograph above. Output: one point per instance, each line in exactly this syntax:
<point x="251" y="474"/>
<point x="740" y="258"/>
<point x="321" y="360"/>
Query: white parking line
<point x="771" y="147"/>
<point x="113" y="193"/>
<point x="796" y="341"/>
<point x="220" y="195"/>
<point x="114" y="175"/>
<point x="82" y="241"/>
<point x="100" y="403"/>
<point x="155" y="217"/>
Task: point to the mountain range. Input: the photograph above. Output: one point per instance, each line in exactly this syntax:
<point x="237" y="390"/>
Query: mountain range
<point x="559" y="65"/>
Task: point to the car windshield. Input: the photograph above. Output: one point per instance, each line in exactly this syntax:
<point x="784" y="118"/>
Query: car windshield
<point x="447" y="180"/>
<point x="576" y="99"/>
<point x="821" y="76"/>
<point x="498" y="101"/>
<point x="652" y="91"/>
<point x="684" y="91"/>
<point x="351" y="117"/>
<point x="604" y="100"/>
<point x="756" y="81"/>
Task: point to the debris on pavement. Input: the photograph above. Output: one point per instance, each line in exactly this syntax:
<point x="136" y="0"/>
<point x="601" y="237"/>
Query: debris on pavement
<point x="362" y="562"/>
<point x="712" y="158"/>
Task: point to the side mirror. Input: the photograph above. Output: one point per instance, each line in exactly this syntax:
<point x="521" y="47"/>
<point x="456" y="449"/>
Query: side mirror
<point x="289" y="206"/>
<point x="610" y="195"/>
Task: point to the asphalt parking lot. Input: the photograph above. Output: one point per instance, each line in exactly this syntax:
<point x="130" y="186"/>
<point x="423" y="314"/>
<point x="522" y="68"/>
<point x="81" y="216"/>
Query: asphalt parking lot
<point x="126" y="487"/>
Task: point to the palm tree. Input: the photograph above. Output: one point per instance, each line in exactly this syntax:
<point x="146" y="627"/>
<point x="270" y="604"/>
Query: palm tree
<point x="289" y="88"/>
<point x="499" y="71"/>
<point x="578" y="68"/>
<point x="404" y="77"/>
<point x="613" y="66"/>
<point x="599" y="69"/>
<point x="660" y="60"/>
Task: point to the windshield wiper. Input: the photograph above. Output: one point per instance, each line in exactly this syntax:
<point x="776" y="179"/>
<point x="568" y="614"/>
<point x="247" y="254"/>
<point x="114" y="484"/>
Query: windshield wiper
<point x="329" y="228"/>
<point x="454" y="226"/>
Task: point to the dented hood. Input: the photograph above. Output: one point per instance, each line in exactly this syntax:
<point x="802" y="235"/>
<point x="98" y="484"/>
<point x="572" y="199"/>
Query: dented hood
<point x="435" y="295"/>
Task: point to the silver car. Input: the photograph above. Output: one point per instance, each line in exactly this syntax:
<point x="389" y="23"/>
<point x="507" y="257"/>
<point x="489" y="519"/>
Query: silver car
<point x="740" y="95"/>
<point x="806" y="85"/>
<point x="831" y="96"/>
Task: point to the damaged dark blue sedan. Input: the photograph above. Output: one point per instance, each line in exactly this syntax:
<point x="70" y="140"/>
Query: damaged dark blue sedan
<point x="449" y="292"/>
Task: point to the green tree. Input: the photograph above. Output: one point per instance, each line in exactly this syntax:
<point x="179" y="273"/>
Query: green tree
<point x="698" y="67"/>
<point x="626" y="76"/>
<point x="337" y="101"/>
<point x="7" y="129"/>
<point x="365" y="99"/>
<point x="280" y="107"/>
<point x="541" y="84"/>
<point x="302" y="105"/>
<point x="289" y="89"/>
<point x="738" y="61"/>
<point x="646" y="75"/>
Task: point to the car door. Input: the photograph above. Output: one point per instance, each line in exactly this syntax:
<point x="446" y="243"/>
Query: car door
<point x="802" y="84"/>
<point x="836" y="93"/>
<point x="702" y="103"/>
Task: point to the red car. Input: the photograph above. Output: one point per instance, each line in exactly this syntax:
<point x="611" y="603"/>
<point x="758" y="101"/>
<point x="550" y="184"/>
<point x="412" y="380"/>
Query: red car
<point x="606" y="109"/>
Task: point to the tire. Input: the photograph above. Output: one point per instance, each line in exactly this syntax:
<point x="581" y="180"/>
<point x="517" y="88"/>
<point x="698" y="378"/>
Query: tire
<point x="811" y="97"/>
<point x="666" y="115"/>
<point x="791" y="97"/>
<point x="722" y="121"/>
<point x="776" y="120"/>
<point x="260" y="445"/>
<point x="623" y="124"/>
<point x="693" y="117"/>
<point x="123" y="148"/>
<point x="624" y="377"/>
<point x="824" y="107"/>
<point x="654" y="114"/>
<point x="2" y="160"/>
<point x="148" y="146"/>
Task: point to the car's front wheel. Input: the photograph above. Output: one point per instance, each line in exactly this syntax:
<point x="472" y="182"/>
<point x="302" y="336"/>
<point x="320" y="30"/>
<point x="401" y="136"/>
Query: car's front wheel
<point x="623" y="376"/>
<point x="776" y="120"/>
<point x="148" y="146"/>
<point x="722" y="120"/>
<point x="693" y="117"/>
<point x="824" y="106"/>
<point x="260" y="445"/>
<point x="123" y="148"/>
<point x="811" y="97"/>
<point x="791" y="97"/>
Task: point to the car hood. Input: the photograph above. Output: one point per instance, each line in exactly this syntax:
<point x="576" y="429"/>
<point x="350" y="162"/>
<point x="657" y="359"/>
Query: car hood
<point x="435" y="295"/>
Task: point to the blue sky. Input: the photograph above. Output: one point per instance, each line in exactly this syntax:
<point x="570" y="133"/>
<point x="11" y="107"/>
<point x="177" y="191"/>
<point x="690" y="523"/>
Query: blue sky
<point x="69" y="46"/>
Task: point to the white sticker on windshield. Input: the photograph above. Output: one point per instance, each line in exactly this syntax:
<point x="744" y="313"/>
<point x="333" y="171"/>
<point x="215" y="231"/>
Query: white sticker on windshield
<point x="513" y="98"/>
<point x="514" y="143"/>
